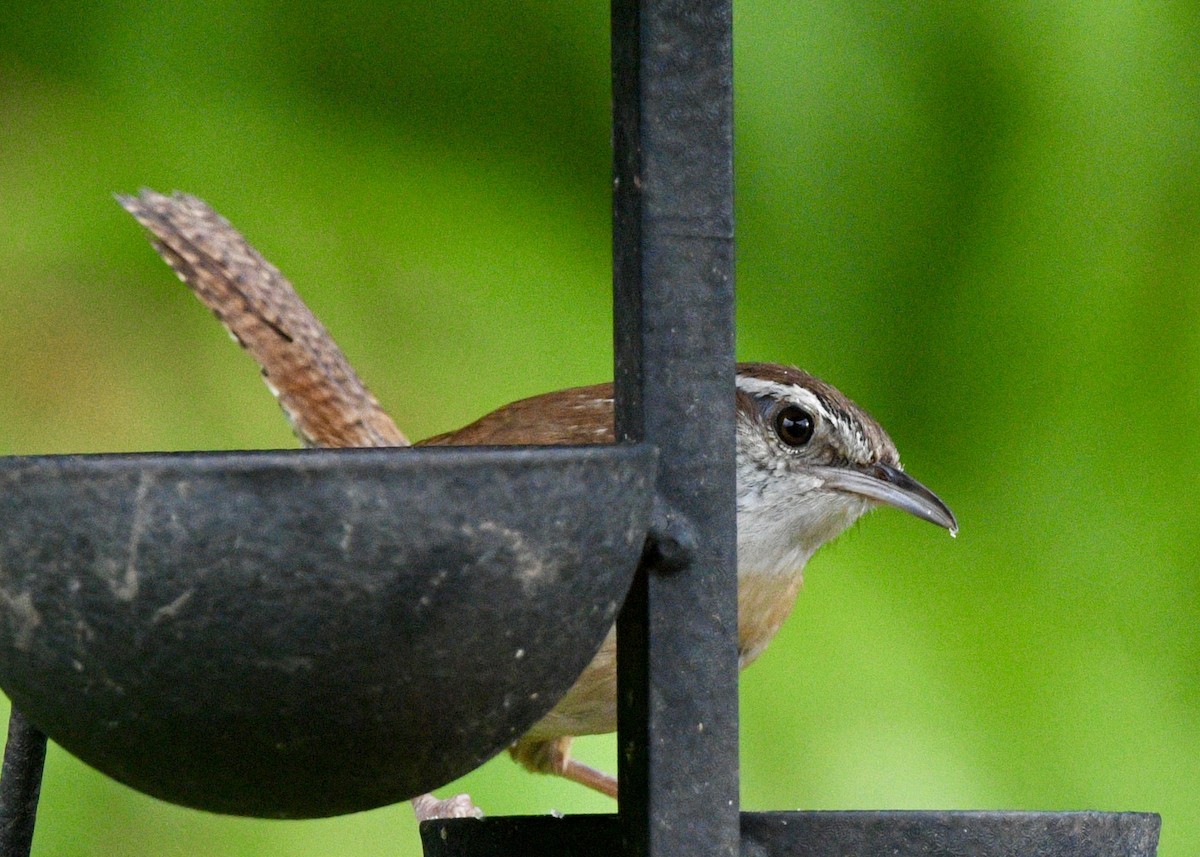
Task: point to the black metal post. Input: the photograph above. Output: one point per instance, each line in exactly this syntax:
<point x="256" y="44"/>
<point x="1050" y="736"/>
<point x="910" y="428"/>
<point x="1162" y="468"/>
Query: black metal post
<point x="20" y="785"/>
<point x="673" y="306"/>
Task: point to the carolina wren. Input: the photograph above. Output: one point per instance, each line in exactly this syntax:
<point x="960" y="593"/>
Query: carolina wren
<point x="809" y="464"/>
<point x="809" y="461"/>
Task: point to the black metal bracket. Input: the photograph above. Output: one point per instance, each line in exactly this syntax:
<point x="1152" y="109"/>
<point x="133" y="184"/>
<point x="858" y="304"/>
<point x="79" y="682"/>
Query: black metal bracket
<point x="673" y="291"/>
<point x="20" y="785"/>
<point x="826" y="834"/>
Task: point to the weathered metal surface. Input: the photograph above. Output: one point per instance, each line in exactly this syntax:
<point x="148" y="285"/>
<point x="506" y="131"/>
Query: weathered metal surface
<point x="20" y="785"/>
<point x="826" y="834"/>
<point x="308" y="633"/>
<point x="949" y="834"/>
<point x="673" y="274"/>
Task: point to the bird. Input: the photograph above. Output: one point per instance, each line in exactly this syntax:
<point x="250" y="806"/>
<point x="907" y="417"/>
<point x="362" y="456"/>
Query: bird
<point x="810" y="462"/>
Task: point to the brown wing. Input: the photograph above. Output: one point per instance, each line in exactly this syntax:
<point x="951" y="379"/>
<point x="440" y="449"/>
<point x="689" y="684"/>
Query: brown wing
<point x="581" y="415"/>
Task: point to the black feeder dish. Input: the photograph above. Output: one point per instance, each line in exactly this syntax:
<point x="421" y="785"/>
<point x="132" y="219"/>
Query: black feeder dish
<point x="309" y="633"/>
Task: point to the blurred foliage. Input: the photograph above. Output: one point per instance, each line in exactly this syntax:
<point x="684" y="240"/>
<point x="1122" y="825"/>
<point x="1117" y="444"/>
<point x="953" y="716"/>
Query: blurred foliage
<point x="980" y="220"/>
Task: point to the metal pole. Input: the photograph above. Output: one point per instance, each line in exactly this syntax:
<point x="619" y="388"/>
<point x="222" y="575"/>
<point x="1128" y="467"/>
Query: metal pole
<point x="20" y="785"/>
<point x="673" y="306"/>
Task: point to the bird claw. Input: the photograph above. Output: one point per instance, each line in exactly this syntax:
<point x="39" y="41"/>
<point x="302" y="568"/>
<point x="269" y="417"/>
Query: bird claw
<point x="428" y="807"/>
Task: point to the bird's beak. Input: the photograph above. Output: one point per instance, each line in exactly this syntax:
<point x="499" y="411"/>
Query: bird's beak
<point x="893" y="486"/>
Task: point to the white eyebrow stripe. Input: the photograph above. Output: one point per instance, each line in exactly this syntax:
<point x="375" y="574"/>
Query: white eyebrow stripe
<point x="790" y="392"/>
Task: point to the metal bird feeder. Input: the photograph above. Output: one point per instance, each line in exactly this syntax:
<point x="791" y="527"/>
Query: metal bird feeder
<point x="308" y="633"/>
<point x="225" y="630"/>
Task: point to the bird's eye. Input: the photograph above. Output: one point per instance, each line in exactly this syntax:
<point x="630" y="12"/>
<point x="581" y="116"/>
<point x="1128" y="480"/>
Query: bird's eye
<point x="794" y="425"/>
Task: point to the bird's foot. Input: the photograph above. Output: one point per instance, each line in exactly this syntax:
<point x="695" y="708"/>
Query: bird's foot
<point x="428" y="807"/>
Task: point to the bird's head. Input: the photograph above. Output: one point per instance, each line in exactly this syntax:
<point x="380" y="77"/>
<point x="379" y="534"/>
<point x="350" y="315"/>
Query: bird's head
<point x="810" y="463"/>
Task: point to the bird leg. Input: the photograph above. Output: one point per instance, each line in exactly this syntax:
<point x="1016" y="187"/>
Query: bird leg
<point x="539" y="756"/>
<point x="554" y="757"/>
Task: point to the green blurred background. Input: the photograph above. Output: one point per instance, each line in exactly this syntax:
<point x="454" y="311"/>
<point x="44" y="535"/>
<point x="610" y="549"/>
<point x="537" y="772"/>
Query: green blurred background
<point x="980" y="220"/>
